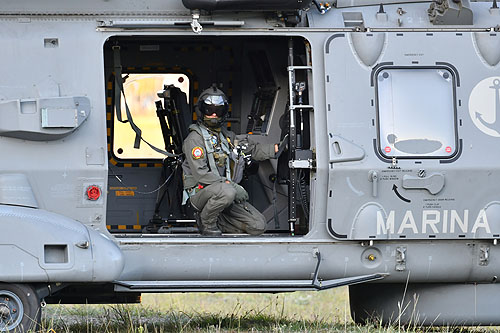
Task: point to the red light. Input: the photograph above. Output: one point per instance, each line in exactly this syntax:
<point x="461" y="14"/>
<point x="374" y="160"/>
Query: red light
<point x="93" y="192"/>
<point x="448" y="149"/>
<point x="387" y="149"/>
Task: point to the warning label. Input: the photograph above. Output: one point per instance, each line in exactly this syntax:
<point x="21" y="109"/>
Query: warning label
<point x="125" y="193"/>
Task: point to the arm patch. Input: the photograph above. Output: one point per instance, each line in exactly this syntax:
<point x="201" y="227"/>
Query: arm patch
<point x="197" y="152"/>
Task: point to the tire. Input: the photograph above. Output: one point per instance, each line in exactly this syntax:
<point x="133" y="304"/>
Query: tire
<point x="20" y="309"/>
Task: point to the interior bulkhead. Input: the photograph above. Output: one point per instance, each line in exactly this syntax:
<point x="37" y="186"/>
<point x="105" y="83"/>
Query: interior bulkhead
<point x="162" y="77"/>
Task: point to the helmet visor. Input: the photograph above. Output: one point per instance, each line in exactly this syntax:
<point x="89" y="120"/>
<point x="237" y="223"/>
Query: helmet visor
<point x="214" y="104"/>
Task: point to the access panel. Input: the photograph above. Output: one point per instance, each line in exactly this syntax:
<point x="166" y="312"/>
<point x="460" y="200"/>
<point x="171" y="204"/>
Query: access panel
<point x="411" y="126"/>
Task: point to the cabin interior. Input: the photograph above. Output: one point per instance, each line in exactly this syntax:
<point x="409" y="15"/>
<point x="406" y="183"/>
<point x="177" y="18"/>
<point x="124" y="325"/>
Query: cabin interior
<point x="162" y="78"/>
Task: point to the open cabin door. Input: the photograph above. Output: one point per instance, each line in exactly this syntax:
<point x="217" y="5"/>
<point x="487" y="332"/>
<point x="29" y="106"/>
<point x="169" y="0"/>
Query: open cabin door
<point x="411" y="126"/>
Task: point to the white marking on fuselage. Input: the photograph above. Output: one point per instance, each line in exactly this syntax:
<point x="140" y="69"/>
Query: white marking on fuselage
<point x="356" y="191"/>
<point x="432" y="222"/>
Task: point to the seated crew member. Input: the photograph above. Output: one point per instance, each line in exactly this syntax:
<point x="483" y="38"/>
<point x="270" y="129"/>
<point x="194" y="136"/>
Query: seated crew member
<point x="212" y="170"/>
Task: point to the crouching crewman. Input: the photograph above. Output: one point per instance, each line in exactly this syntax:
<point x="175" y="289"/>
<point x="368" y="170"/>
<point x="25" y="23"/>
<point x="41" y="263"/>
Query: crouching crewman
<point x="213" y="167"/>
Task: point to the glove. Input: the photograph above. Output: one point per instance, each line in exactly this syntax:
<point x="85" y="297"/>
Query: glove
<point x="241" y="140"/>
<point x="241" y="193"/>
<point x="282" y="146"/>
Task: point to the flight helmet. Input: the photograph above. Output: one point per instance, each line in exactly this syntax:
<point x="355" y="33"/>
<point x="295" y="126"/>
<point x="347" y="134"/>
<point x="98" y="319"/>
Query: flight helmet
<point x="212" y="101"/>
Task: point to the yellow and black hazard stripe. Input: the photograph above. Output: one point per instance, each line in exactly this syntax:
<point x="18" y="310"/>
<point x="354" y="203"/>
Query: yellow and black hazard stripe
<point x="124" y="227"/>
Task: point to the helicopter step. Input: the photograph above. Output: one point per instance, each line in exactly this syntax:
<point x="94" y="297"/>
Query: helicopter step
<point x="238" y="285"/>
<point x="242" y="285"/>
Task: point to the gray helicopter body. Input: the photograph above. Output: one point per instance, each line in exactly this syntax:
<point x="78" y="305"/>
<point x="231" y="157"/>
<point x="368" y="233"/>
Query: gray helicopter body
<point x="393" y="116"/>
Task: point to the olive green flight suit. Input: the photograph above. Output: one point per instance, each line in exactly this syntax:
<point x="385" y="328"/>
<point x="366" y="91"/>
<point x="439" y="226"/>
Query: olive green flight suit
<point x="206" y="150"/>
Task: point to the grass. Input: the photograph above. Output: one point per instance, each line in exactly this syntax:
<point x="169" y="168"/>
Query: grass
<point x="326" y="311"/>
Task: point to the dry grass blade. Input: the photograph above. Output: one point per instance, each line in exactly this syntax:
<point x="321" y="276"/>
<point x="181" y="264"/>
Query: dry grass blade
<point x="224" y="312"/>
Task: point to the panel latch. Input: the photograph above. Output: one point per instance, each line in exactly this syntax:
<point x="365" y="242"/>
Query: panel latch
<point x="484" y="255"/>
<point x="401" y="258"/>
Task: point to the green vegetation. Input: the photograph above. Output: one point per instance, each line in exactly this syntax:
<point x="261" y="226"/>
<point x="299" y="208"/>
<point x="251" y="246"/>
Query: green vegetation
<point x="326" y="311"/>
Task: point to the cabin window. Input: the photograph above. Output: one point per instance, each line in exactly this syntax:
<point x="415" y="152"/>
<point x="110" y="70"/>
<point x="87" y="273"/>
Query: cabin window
<point x="141" y="94"/>
<point x="416" y="112"/>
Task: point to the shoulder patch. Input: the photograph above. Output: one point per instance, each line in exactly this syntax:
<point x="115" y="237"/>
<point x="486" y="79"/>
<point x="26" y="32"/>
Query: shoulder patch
<point x="197" y="152"/>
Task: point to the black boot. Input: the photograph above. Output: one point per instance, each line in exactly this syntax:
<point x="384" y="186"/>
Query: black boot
<point x="205" y="230"/>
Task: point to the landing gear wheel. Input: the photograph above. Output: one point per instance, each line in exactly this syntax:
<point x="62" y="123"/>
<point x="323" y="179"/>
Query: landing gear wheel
<point x="19" y="308"/>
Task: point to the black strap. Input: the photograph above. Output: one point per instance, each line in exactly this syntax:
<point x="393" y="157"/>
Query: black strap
<point x="120" y="91"/>
<point x="118" y="83"/>
<point x="282" y="146"/>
